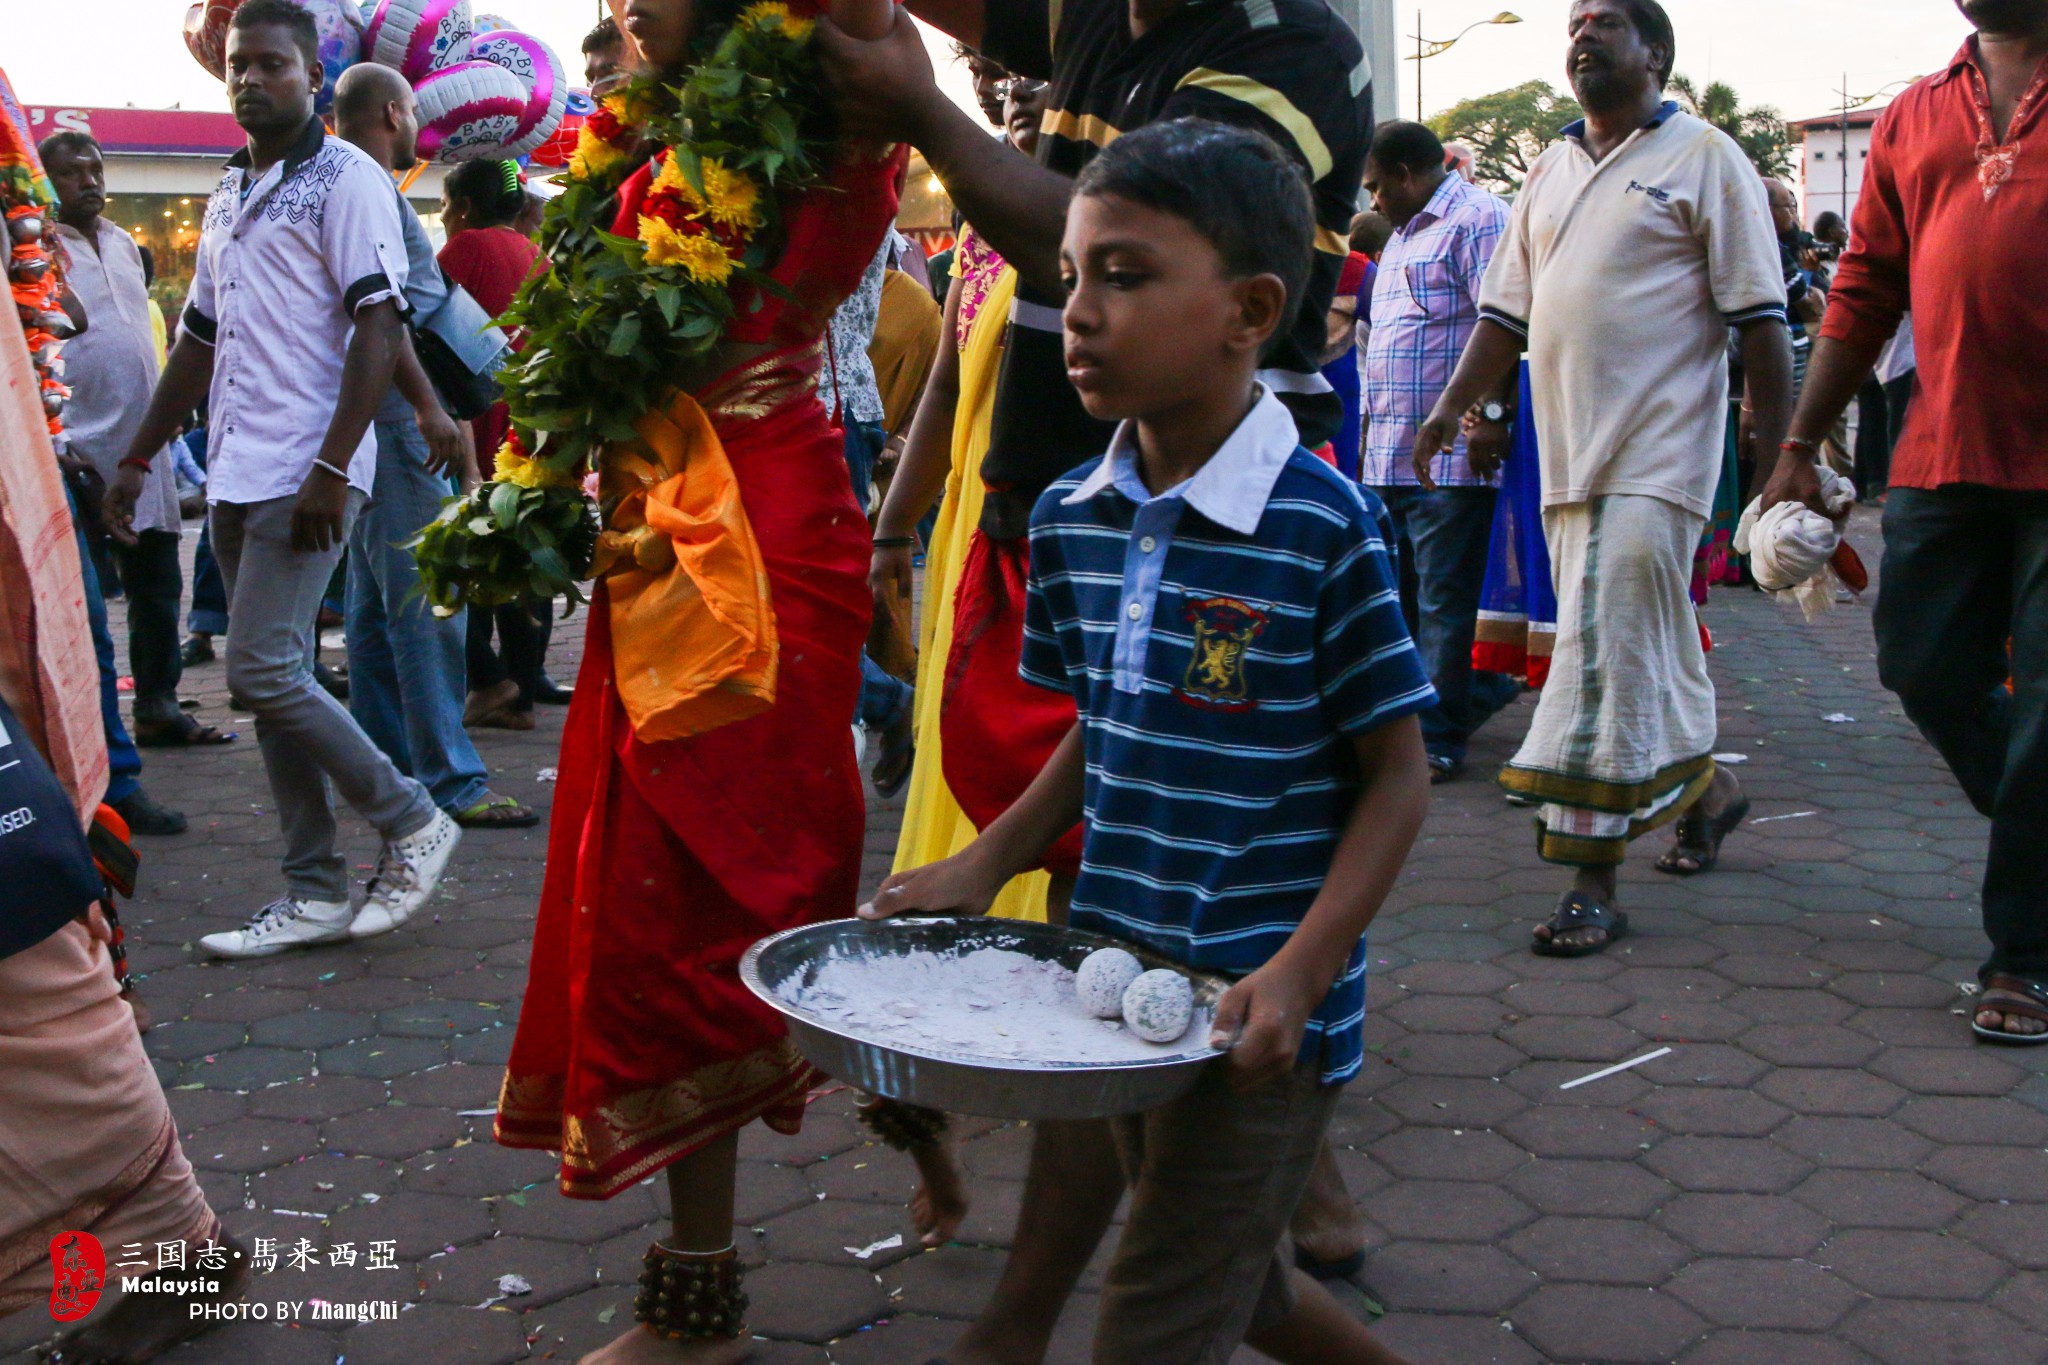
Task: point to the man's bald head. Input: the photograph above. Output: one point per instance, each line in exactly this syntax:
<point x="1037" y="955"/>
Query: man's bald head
<point x="373" y="108"/>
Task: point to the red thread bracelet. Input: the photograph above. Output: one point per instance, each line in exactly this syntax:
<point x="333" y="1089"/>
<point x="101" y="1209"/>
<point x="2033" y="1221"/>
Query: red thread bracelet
<point x="134" y="462"/>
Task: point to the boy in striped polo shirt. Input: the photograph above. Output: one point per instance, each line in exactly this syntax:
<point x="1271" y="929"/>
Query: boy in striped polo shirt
<point x="1247" y="765"/>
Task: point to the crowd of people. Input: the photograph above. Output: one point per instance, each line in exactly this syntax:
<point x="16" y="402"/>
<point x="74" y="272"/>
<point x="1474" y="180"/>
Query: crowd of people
<point x="1239" y="513"/>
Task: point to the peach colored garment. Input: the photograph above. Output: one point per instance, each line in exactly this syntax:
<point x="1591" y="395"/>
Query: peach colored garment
<point x="48" y="672"/>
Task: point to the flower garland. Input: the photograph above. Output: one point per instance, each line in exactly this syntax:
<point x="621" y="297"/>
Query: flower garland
<point x="615" y="319"/>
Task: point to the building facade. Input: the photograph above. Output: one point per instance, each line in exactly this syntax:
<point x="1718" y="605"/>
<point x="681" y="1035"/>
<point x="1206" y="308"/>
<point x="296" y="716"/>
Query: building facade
<point x="1832" y="159"/>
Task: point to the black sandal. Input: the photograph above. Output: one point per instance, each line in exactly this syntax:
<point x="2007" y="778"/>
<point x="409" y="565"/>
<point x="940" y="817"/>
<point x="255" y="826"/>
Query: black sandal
<point x="1699" y="839"/>
<point x="180" y="733"/>
<point x="1579" y="911"/>
<point x="2029" y="999"/>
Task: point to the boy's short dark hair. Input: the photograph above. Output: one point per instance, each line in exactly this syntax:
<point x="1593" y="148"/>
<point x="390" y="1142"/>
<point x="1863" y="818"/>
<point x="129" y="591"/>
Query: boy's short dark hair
<point x="1232" y="185"/>
<point x="604" y="34"/>
<point x="285" y="15"/>
<point x="66" y="140"/>
<point x="1401" y="145"/>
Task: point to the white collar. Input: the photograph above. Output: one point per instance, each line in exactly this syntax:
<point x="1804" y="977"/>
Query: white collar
<point x="1232" y="489"/>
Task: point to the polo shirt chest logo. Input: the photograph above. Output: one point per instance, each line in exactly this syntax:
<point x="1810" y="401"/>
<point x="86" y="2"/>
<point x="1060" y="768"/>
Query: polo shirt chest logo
<point x="1661" y="196"/>
<point x="1224" y="629"/>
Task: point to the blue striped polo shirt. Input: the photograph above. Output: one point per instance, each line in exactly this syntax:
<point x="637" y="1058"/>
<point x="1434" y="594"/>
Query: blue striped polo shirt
<point x="1222" y="642"/>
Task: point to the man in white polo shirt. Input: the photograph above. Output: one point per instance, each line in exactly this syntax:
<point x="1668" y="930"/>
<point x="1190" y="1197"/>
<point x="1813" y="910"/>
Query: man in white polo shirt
<point x="291" y="332"/>
<point x="1636" y="243"/>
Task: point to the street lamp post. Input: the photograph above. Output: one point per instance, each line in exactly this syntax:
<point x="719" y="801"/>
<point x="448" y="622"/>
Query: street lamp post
<point x="1850" y="102"/>
<point x="1425" y="48"/>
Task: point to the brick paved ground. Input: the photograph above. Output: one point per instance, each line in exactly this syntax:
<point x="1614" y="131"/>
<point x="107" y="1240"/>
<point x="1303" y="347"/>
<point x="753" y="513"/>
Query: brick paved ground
<point x="1825" y="1169"/>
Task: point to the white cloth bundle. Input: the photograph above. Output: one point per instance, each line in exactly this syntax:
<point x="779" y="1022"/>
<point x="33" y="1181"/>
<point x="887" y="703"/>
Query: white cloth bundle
<point x="1790" y="545"/>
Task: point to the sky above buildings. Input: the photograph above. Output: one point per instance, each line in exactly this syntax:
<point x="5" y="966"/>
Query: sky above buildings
<point x="1789" y="53"/>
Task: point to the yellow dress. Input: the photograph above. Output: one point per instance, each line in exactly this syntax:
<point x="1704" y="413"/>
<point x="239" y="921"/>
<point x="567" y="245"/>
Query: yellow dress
<point x="934" y="826"/>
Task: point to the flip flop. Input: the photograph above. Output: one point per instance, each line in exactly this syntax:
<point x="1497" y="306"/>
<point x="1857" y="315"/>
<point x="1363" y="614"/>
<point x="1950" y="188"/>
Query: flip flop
<point x="1580" y="911"/>
<point x="2023" y="997"/>
<point x="181" y="733"/>
<point x="1699" y="838"/>
<point x="496" y="812"/>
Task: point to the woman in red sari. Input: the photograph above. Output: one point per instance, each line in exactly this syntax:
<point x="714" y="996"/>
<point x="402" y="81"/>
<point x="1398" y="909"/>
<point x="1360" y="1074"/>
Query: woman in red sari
<point x="638" y="1046"/>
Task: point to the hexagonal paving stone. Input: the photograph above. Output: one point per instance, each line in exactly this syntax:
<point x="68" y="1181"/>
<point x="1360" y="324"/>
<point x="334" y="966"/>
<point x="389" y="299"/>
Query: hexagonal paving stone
<point x="393" y="1132"/>
<point x="1447" y="1211"/>
<point x="1601" y="1189"/>
<point x="312" y="1029"/>
<point x="1809" y="1045"/>
<point x="1554" y="1131"/>
<point x="1467" y="1154"/>
<point x="2008" y="1231"/>
<point x="251" y="1145"/>
<point x="1737" y="1165"/>
<point x="1791" y="1295"/>
<point x="951" y="1282"/>
<point x="182" y="1042"/>
<point x="1451" y="1101"/>
<point x="833" y="1231"/>
<point x="421" y="1224"/>
<point x="1446" y="1277"/>
<point x="1878" y="1199"/>
<point x="1913" y="1332"/>
<point x="2025" y="1298"/>
<point x="1598" y="1251"/>
<point x="1942" y="1071"/>
<point x="323" y="1184"/>
<point x="383" y="1058"/>
<point x="1810" y="1090"/>
<point x="1959" y="1119"/>
<point x="1596" y="1322"/>
<point x="1736" y="1347"/>
<point x="1988" y="1173"/>
<point x="1469" y="1341"/>
<point x="1896" y="1264"/>
<point x="470" y="1275"/>
<point x="1743" y="1224"/>
<point x="811" y="1302"/>
<point x="1873" y="1144"/>
<point x="549" y="1213"/>
<point x="1573" y="1038"/>
<point x="1714" y="1112"/>
<point x="248" y="1068"/>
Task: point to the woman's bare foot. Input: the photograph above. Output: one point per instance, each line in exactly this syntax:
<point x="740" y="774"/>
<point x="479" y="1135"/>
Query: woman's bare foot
<point x="139" y="1327"/>
<point x="642" y="1347"/>
<point x="941" y="1203"/>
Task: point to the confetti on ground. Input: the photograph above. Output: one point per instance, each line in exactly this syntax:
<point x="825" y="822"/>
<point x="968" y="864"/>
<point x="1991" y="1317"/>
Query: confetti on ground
<point x="1795" y="815"/>
<point x="1617" y="1067"/>
<point x="1731" y="758"/>
<point x="1840" y="718"/>
<point x="889" y="1243"/>
<point x="544" y="775"/>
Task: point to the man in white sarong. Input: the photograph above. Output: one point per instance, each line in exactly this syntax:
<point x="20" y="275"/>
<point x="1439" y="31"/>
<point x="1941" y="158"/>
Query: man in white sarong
<point x="1636" y="243"/>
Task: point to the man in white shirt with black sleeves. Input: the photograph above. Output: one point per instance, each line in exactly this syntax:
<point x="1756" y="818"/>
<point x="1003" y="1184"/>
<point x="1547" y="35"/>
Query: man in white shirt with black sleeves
<point x="291" y="332"/>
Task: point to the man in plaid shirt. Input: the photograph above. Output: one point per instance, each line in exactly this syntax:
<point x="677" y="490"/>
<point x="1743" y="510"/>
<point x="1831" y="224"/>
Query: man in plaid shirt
<point x="1425" y="303"/>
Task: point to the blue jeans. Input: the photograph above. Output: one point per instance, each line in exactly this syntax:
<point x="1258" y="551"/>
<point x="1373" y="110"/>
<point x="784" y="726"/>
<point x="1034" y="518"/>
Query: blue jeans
<point x="406" y="675"/>
<point x="864" y="442"/>
<point x="124" y="761"/>
<point x="883" y="697"/>
<point x="1444" y="538"/>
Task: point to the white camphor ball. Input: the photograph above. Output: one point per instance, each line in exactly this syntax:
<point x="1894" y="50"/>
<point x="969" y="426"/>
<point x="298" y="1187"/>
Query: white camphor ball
<point x="1158" y="1005"/>
<point x="1101" y="980"/>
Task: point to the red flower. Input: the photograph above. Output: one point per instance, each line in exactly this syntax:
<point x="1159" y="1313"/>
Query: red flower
<point x="604" y="124"/>
<point x="665" y="207"/>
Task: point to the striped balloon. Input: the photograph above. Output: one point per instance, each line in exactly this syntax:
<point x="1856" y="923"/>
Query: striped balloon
<point x="416" y="37"/>
<point x="469" y="110"/>
<point x="537" y="68"/>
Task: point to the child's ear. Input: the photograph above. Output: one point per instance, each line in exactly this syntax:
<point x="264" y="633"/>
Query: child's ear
<point x="1261" y="310"/>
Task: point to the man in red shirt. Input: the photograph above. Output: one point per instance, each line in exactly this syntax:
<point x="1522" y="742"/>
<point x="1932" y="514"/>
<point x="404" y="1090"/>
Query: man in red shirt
<point x="1950" y="226"/>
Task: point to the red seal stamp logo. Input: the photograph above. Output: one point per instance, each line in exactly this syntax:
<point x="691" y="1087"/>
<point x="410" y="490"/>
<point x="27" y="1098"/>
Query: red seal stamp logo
<point x="1224" y="629"/>
<point x="78" y="1273"/>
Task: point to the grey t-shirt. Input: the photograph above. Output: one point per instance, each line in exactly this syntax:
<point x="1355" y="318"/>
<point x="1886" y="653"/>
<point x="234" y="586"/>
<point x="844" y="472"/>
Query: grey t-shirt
<point x="426" y="289"/>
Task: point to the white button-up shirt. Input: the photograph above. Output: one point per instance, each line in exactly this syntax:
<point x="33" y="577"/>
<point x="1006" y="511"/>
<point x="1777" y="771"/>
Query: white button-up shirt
<point x="111" y="366"/>
<point x="284" y="265"/>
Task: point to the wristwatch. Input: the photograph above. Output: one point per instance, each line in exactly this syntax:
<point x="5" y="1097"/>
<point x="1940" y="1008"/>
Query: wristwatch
<point x="1493" y="410"/>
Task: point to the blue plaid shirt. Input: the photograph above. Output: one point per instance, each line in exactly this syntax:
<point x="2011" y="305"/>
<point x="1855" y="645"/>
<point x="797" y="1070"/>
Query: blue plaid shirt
<point x="1425" y="303"/>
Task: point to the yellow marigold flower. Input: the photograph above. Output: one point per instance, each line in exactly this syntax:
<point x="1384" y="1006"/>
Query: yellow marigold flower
<point x="733" y="198"/>
<point x="593" y="157"/>
<point x="508" y="464"/>
<point x="707" y="261"/>
<point x="625" y="109"/>
<point x="759" y="14"/>
<point x="663" y="244"/>
<point x="671" y="178"/>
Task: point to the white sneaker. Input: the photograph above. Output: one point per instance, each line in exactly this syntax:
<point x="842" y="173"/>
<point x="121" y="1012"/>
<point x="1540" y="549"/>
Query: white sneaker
<point x="284" y="923"/>
<point x="407" y="872"/>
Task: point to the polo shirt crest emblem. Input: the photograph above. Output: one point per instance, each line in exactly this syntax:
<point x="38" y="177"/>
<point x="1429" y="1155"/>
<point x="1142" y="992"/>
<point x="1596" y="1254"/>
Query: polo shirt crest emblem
<point x="1224" y="629"/>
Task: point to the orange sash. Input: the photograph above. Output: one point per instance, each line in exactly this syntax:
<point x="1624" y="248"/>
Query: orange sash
<point x="693" y="631"/>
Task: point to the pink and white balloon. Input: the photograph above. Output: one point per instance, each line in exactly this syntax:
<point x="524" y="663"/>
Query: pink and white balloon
<point x="537" y="68"/>
<point x="417" y="37"/>
<point x="469" y="111"/>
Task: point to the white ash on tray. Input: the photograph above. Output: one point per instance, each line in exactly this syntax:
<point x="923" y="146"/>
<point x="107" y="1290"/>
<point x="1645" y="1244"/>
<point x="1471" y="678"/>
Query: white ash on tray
<point x="992" y="1003"/>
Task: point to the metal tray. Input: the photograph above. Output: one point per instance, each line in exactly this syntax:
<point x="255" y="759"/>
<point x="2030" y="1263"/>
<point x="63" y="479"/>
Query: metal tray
<point x="969" y="1085"/>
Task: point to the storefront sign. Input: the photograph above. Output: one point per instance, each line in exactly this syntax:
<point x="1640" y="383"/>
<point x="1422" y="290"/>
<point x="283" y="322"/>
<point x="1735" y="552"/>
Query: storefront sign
<point x="159" y="132"/>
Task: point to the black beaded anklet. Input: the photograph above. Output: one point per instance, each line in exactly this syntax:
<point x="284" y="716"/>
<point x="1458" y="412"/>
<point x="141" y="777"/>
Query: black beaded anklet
<point x="691" y="1294"/>
<point x="905" y="1127"/>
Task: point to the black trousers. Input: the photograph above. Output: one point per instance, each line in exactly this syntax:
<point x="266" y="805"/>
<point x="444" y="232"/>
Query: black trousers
<point x="155" y="585"/>
<point x="1966" y="571"/>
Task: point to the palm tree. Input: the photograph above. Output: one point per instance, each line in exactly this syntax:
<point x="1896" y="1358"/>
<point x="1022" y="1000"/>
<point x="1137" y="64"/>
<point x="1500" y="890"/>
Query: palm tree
<point x="1759" y="130"/>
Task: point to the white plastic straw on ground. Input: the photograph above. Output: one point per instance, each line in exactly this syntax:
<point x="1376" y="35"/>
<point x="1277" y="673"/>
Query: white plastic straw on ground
<point x="1618" y="1066"/>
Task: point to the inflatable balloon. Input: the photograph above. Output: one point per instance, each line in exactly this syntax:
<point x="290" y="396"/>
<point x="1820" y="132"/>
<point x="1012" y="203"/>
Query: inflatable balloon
<point x="490" y="23"/>
<point x="415" y="37"/>
<point x="206" y="34"/>
<point x="534" y="63"/>
<point x="580" y="104"/>
<point x="557" y="149"/>
<point x="469" y="110"/>
<point x="340" y="25"/>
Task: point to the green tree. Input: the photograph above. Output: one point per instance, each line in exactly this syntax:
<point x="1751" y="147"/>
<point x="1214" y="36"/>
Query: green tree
<point x="1759" y="130"/>
<point x="1508" y="130"/>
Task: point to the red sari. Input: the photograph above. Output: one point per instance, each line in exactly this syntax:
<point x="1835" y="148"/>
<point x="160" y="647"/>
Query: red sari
<point x="638" y="1043"/>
